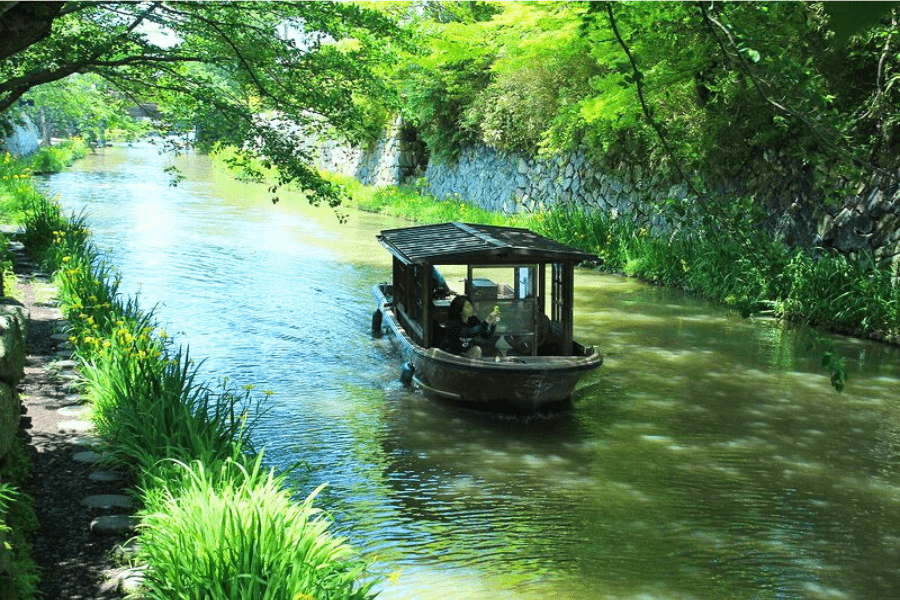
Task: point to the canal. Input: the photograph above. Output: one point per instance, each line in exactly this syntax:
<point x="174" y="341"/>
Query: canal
<point x="709" y="458"/>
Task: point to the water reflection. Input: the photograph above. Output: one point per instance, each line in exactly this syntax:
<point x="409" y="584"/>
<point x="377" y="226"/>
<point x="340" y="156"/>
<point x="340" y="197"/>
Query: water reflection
<point x="708" y="458"/>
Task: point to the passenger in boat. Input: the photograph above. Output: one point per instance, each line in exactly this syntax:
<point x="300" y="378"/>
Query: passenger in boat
<point x="441" y="289"/>
<point x="521" y="346"/>
<point x="463" y="326"/>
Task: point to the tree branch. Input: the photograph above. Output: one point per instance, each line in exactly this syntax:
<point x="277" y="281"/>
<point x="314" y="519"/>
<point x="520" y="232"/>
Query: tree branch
<point x="23" y="24"/>
<point x="737" y="57"/>
<point x="639" y="84"/>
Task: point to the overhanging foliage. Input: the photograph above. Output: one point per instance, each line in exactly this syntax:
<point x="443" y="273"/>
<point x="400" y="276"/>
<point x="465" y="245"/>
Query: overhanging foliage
<point x="704" y="92"/>
<point x="216" y="66"/>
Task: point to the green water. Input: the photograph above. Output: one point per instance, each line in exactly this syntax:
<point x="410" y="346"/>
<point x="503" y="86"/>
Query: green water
<point x="708" y="458"/>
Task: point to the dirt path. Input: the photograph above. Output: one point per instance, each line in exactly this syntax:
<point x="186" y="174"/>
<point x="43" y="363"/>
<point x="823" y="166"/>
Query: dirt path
<point x="76" y="560"/>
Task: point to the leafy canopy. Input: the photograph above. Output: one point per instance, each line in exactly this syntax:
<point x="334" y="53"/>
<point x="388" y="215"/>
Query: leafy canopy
<point x="244" y="73"/>
<point x="718" y="88"/>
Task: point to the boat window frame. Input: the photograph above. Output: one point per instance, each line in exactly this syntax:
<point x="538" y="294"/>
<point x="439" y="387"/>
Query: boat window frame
<point x="413" y="296"/>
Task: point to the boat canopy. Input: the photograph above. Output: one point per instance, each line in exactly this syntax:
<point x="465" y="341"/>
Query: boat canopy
<point x="470" y="244"/>
<point x="541" y="277"/>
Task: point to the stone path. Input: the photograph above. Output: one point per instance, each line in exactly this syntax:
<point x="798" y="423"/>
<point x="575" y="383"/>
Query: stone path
<point x="83" y="545"/>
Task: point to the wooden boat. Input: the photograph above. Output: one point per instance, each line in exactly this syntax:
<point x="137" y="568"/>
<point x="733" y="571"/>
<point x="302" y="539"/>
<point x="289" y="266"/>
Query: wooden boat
<point x="531" y="360"/>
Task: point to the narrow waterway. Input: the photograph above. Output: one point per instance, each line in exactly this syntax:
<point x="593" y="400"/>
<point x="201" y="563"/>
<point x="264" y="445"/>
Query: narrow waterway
<point x="709" y="458"/>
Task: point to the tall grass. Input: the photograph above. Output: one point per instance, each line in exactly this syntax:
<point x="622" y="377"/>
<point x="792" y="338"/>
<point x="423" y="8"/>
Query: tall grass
<point x="234" y="532"/>
<point x="215" y="523"/>
<point x="406" y="202"/>
<point x="17" y="191"/>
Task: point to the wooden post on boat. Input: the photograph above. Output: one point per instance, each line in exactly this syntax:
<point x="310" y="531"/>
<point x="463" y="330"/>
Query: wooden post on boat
<point x="568" y="302"/>
<point x="425" y="277"/>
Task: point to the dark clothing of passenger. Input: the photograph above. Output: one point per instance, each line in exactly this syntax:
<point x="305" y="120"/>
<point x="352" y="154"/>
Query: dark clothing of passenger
<point x="458" y="336"/>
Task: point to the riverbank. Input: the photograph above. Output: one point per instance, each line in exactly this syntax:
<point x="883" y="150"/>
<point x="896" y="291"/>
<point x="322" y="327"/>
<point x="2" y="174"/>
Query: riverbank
<point x="733" y="264"/>
<point x="181" y="444"/>
<point x="76" y="554"/>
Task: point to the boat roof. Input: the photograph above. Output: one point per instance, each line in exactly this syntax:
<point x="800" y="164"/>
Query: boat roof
<point x="467" y="243"/>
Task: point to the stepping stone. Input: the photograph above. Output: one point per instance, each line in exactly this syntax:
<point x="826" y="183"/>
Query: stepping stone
<point x="106" y="476"/>
<point x="88" y="441"/>
<point x="131" y="581"/>
<point x="105" y="501"/>
<point x="74" y="411"/>
<point x="63" y="364"/>
<point x="64" y="354"/>
<point x="127" y="549"/>
<point x="75" y="426"/>
<point x="73" y="398"/>
<point x="87" y="457"/>
<point x="59" y="337"/>
<point x="113" y="525"/>
<point x="127" y="580"/>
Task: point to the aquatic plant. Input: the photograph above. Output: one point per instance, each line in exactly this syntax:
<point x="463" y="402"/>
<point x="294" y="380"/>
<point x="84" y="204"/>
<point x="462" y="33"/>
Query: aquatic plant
<point x="232" y="531"/>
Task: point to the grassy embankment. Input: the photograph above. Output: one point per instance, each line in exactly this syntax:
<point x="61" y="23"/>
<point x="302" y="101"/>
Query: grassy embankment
<point x="18" y="573"/>
<point x="215" y="523"/>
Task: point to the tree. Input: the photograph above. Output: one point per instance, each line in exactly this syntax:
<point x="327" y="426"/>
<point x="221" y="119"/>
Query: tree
<point x="225" y="63"/>
<point x="79" y="105"/>
<point x="750" y="105"/>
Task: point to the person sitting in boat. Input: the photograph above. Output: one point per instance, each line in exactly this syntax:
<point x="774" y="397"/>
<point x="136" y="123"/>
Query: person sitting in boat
<point x="522" y="345"/>
<point x="463" y="326"/>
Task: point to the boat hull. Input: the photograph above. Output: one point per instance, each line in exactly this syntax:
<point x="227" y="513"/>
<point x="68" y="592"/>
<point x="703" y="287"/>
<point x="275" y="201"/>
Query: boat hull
<point x="516" y="384"/>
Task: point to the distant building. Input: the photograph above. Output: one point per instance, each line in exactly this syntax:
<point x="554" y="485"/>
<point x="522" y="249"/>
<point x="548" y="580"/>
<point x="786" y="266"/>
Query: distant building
<point x="147" y="111"/>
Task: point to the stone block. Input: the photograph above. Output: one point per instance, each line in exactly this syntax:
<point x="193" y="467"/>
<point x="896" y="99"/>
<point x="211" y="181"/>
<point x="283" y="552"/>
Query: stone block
<point x="107" y="501"/>
<point x="12" y="348"/>
<point x="17" y="310"/>
<point x="9" y="417"/>
<point x="113" y="525"/>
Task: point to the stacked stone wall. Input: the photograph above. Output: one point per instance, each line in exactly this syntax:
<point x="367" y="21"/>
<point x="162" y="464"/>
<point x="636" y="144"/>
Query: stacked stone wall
<point x="25" y="138"/>
<point x="392" y="159"/>
<point x="13" y="326"/>
<point x="500" y="181"/>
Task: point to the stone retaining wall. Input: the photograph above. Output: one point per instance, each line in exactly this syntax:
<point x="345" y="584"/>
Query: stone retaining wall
<point x="13" y="327"/>
<point x="508" y="182"/>
<point x="24" y="139"/>
<point x="392" y="159"/>
<point x="511" y="183"/>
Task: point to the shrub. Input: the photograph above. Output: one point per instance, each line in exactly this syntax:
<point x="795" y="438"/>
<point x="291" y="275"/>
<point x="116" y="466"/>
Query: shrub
<point x="18" y="572"/>
<point x="53" y="159"/>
